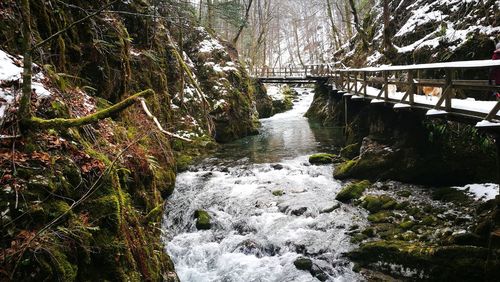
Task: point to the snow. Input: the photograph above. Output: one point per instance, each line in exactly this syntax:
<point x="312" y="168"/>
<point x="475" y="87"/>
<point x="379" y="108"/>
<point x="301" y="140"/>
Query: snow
<point x="435" y="112"/>
<point x="210" y="45"/>
<point x="9" y="71"/>
<point x="480" y="192"/>
<point x="446" y="65"/>
<point x="274" y="92"/>
<point x="440" y="12"/>
<point x="485" y="123"/>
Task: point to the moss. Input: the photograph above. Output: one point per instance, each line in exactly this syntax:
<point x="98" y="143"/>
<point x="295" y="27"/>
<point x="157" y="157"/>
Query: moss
<point x="380" y="217"/>
<point x="183" y="162"/>
<point x="165" y="182"/>
<point x="321" y="158"/>
<point x="352" y="191"/>
<point x="278" y="193"/>
<point x="343" y="169"/>
<point x="202" y="220"/>
<point x="350" y="151"/>
<point x="428" y="220"/>
<point x="107" y="210"/>
<point x="58" y="267"/>
<point x="406" y="224"/>
<point x="378" y="203"/>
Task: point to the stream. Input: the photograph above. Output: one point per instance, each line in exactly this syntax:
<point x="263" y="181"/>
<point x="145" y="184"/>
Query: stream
<point x="256" y="235"/>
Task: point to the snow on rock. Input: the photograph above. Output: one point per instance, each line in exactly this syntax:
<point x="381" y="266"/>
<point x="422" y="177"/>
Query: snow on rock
<point x="480" y="192"/>
<point x="275" y="92"/>
<point x="210" y="45"/>
<point x="441" y="12"/>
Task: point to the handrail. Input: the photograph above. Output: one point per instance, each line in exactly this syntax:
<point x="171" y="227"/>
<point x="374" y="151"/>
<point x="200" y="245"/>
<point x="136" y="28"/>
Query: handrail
<point x="357" y="81"/>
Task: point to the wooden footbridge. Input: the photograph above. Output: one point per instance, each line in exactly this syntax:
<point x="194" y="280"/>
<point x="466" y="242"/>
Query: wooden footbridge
<point x="401" y="87"/>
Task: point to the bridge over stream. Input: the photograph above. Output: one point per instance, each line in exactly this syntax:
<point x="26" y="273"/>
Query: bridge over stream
<point x="401" y="87"/>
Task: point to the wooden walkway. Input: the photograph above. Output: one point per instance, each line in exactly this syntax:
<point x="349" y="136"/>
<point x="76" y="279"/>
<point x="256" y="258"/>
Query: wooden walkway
<point x="401" y="87"/>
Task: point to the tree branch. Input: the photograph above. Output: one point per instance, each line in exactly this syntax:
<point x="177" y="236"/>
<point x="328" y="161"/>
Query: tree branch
<point x="62" y="123"/>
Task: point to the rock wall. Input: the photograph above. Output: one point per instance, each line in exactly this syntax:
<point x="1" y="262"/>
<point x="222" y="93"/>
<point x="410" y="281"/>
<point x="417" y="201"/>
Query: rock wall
<point x="406" y="145"/>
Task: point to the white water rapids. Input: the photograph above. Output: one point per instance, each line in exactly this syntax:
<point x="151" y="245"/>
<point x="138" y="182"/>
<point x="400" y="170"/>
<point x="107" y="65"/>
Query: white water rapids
<point x="255" y="235"/>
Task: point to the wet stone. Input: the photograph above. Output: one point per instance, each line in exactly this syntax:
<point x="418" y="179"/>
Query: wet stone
<point x="277" y="166"/>
<point x="299" y="211"/>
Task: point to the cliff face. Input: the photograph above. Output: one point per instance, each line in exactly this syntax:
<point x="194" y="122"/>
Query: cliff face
<point x="85" y="203"/>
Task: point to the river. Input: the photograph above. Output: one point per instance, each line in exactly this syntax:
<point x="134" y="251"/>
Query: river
<point x="256" y="235"/>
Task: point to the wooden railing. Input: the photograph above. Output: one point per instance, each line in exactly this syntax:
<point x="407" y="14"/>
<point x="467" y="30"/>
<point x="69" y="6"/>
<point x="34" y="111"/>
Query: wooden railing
<point x="318" y="70"/>
<point x="410" y="80"/>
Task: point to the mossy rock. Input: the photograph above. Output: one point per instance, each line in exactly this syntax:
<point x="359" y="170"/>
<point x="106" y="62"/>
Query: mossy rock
<point x="377" y="203"/>
<point x="350" y="151"/>
<point x="380" y="217"/>
<point x="352" y="191"/>
<point x="404" y="193"/>
<point x="343" y="169"/>
<point x="322" y="158"/>
<point x="407" y="224"/>
<point x="370" y="232"/>
<point x="165" y="180"/>
<point x="202" y="220"/>
<point x="183" y="162"/>
<point x="278" y="193"/>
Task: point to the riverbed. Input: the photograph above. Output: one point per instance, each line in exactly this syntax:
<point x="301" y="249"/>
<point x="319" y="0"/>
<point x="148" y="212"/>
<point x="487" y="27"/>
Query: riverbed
<point x="268" y="207"/>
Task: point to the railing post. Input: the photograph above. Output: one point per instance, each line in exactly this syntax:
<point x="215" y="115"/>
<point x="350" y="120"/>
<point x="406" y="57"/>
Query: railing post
<point x="356" y="83"/>
<point x="386" y="85"/>
<point x="411" y="86"/>
<point x="365" y="83"/>
<point x="449" y="86"/>
<point x="348" y="83"/>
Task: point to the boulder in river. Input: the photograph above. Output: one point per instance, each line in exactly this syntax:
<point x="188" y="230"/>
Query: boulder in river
<point x="321" y="158"/>
<point x="352" y="191"/>
<point x="202" y="220"/>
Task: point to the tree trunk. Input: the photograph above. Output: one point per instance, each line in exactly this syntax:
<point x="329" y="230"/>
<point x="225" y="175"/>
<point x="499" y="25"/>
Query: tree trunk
<point x="296" y="36"/>
<point x="333" y="25"/>
<point x="25" y="102"/>
<point x="387" y="38"/>
<point x="210" y="14"/>
<point x="357" y="25"/>
<point x="247" y="14"/>
<point x="200" y="12"/>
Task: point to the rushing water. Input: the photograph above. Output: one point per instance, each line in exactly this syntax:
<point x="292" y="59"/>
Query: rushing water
<point x="255" y="235"/>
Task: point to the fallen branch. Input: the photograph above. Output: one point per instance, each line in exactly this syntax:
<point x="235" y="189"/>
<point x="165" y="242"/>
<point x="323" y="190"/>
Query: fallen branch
<point x="150" y="115"/>
<point x="62" y="123"/>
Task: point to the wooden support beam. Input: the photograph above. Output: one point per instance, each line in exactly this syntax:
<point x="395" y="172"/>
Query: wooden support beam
<point x="493" y="112"/>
